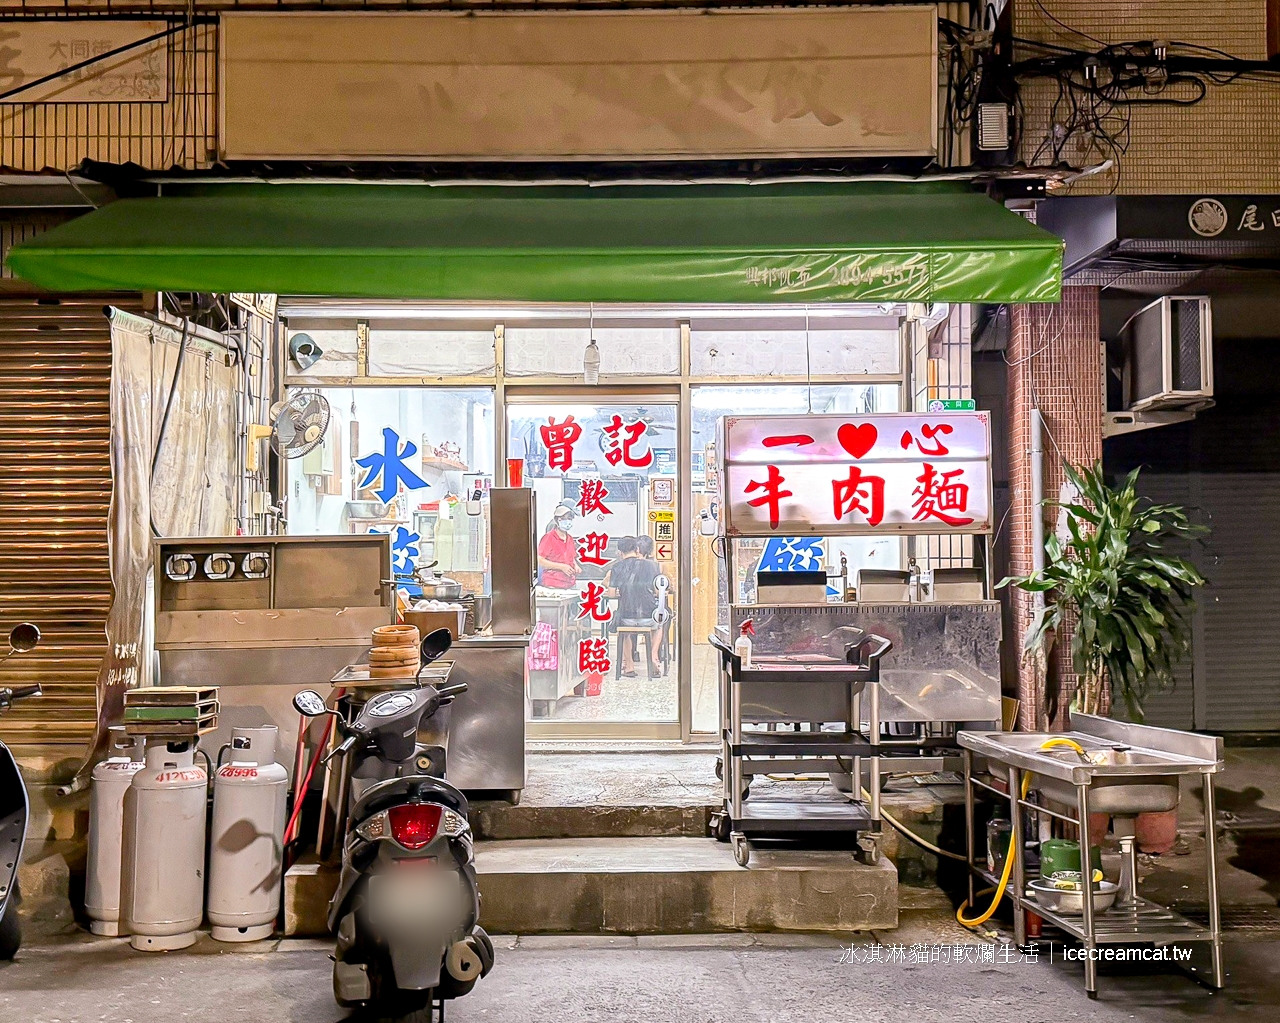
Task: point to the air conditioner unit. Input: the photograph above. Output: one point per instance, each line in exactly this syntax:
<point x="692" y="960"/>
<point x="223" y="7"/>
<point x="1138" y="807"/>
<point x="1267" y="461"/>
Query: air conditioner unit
<point x="1169" y="355"/>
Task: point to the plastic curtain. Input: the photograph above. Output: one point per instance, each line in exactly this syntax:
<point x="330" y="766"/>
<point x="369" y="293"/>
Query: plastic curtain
<point x="191" y="493"/>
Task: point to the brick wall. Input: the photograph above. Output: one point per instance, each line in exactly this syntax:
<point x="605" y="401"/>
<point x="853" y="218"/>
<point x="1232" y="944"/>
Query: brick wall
<point x="1228" y="142"/>
<point x="1055" y="363"/>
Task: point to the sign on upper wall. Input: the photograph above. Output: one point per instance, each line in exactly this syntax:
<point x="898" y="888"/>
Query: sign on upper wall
<point x="643" y="84"/>
<point x="837" y="475"/>
<point x="33" y="50"/>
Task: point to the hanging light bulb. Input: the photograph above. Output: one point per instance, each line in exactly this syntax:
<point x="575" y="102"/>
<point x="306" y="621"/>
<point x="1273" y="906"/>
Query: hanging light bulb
<point x="591" y="363"/>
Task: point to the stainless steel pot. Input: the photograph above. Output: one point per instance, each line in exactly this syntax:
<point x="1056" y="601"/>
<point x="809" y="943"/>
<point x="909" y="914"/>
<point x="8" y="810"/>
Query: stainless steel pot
<point x="436" y="586"/>
<point x="1070" y="902"/>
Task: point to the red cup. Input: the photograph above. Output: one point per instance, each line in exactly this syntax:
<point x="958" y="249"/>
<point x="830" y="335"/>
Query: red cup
<point x="1035" y="925"/>
<point x="515" y="472"/>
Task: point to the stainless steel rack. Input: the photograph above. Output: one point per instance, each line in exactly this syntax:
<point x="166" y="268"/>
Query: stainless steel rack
<point x="1133" y="756"/>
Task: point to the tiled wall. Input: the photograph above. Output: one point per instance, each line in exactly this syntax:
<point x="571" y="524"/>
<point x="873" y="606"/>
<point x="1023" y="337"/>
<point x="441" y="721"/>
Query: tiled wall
<point x="1229" y="142"/>
<point x="1055" y="363"/>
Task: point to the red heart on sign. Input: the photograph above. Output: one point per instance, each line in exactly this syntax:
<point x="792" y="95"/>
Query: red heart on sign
<point x="857" y="440"/>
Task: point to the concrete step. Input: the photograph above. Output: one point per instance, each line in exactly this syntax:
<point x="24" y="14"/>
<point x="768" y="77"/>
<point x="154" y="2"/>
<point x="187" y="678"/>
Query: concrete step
<point x="500" y="821"/>
<point x="53" y="870"/>
<point x="664" y="885"/>
<point x="677" y="886"/>
<point x="53" y="817"/>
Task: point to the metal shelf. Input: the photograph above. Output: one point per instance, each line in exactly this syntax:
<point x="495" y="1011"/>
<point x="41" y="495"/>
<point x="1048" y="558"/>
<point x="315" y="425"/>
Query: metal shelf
<point x="1137" y="922"/>
<point x="786" y="817"/>
<point x="801" y="744"/>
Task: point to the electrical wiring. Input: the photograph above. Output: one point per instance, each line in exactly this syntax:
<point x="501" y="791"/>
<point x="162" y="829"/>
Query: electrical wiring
<point x="1096" y="90"/>
<point x="1062" y="24"/>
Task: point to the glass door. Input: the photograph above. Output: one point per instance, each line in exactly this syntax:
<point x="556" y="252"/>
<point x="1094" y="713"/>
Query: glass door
<point x="605" y="473"/>
<point x="840" y="558"/>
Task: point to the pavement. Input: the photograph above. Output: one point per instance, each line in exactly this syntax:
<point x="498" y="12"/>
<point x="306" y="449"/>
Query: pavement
<point x="66" y="976"/>
<point x="728" y="978"/>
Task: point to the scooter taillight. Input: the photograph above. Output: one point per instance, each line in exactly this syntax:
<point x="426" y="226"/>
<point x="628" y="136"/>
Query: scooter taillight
<point x="414" y="825"/>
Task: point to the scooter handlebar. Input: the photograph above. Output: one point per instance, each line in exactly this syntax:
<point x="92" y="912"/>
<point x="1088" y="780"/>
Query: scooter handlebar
<point x="22" y="692"/>
<point x="346" y="745"/>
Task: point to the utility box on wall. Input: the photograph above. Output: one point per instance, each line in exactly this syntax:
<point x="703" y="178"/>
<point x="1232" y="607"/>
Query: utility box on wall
<point x="571" y="85"/>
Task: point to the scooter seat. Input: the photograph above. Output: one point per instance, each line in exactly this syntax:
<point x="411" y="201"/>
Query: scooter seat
<point x="416" y="787"/>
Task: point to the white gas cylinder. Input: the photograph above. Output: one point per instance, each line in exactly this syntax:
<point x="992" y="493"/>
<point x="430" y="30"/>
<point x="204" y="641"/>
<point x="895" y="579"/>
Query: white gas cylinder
<point x="111" y="780"/>
<point x="162" y="865"/>
<point x="246" y="851"/>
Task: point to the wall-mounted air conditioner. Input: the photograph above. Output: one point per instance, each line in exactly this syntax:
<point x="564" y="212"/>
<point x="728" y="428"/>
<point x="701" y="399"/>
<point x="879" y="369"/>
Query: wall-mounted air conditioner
<point x="1169" y="355"/>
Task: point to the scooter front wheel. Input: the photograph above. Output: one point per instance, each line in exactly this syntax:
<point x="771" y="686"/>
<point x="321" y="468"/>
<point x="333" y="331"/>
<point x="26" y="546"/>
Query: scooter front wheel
<point x="10" y="933"/>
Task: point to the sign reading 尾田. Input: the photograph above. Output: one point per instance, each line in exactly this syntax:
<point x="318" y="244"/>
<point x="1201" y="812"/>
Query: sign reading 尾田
<point x="840" y="475"/>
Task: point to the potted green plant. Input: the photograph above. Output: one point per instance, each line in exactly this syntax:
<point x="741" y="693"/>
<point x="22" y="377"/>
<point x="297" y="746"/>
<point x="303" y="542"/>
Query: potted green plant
<point x="1120" y="596"/>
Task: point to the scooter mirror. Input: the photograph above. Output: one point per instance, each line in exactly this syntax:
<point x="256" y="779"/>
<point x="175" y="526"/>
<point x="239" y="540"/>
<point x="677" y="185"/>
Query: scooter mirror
<point x="435" y="645"/>
<point x="23" y="637"/>
<point x="309" y="703"/>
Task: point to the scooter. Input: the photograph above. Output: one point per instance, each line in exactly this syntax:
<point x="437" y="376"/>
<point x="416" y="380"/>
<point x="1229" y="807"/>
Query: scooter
<point x="406" y="911"/>
<point x="13" y="802"/>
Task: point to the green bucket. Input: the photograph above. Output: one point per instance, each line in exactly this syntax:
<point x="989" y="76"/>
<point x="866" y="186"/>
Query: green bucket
<point x="1063" y="854"/>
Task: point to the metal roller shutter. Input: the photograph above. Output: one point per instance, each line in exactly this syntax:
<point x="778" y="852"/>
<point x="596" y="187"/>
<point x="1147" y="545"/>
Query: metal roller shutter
<point x="1174" y="707"/>
<point x="55" y="478"/>
<point x="1242" y="605"/>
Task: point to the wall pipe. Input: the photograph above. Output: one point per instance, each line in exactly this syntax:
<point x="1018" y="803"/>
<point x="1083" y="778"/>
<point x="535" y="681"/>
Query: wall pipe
<point x="1037" y="497"/>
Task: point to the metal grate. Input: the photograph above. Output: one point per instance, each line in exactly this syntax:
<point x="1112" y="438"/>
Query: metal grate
<point x="941" y="367"/>
<point x="1258" y="919"/>
<point x="1186" y="344"/>
<point x="181" y="131"/>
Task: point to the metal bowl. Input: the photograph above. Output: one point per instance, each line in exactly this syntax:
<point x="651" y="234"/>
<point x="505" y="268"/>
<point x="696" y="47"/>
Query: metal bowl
<point x="1071" y="903"/>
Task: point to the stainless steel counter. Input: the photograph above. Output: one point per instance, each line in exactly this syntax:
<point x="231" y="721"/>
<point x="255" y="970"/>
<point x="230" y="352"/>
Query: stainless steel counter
<point x="486" y="723"/>
<point x="1123" y="750"/>
<point x="944" y="665"/>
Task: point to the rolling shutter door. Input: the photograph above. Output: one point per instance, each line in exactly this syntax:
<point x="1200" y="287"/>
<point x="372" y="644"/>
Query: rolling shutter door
<point x="55" y="475"/>
<point x="1241" y="606"/>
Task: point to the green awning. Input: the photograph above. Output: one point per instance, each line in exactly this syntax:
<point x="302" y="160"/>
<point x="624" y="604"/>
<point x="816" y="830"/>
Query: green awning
<point x="718" y="244"/>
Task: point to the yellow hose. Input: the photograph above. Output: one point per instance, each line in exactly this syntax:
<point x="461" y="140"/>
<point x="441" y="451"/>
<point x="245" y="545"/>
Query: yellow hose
<point x="1061" y="740"/>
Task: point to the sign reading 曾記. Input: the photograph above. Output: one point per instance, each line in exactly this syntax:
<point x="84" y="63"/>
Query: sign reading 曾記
<point x="837" y="475"/>
<point x="33" y="50"/>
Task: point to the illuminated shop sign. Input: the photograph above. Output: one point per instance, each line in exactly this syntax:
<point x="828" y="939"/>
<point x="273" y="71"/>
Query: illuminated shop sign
<point x="839" y="475"/>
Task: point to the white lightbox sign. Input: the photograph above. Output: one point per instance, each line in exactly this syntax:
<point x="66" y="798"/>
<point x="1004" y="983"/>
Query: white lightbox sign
<point x="855" y="475"/>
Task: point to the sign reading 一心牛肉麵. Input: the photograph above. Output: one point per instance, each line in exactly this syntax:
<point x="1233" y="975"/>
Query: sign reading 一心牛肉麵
<point x="838" y="475"/>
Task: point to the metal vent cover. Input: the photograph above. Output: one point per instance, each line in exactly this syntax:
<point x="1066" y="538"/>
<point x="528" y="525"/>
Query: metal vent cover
<point x="993" y="126"/>
<point x="1185" y="336"/>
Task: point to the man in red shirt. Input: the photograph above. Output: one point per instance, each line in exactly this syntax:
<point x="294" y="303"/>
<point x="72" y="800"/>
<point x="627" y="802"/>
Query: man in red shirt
<point x="558" y="552"/>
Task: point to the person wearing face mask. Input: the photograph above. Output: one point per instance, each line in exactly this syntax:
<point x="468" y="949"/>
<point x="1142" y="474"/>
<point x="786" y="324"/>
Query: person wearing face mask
<point x="558" y="552"/>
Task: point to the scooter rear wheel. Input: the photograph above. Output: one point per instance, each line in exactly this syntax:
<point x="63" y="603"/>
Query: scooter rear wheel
<point x="391" y="1004"/>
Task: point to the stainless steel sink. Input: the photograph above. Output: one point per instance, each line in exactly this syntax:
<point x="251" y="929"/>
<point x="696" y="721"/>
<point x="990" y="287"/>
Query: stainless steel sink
<point x="1123" y="780"/>
<point x="1123" y="796"/>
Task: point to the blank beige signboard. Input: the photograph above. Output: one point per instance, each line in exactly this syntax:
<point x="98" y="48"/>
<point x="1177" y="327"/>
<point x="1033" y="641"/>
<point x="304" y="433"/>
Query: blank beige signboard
<point x="580" y="85"/>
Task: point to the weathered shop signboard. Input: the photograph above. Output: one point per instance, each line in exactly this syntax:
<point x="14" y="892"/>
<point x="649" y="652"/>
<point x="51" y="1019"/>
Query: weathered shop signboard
<point x="33" y="50"/>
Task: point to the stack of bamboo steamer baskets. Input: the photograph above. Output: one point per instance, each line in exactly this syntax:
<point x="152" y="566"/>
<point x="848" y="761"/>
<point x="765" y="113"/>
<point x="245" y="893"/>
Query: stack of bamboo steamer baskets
<point x="395" y="652"/>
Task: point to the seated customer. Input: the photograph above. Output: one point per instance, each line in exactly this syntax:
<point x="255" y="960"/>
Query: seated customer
<point x="638" y="599"/>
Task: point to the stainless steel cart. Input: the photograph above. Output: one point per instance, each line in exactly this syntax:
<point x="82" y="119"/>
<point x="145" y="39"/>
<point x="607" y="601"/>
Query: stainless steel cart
<point x="1125" y="766"/>
<point x="752" y="744"/>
